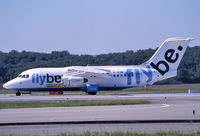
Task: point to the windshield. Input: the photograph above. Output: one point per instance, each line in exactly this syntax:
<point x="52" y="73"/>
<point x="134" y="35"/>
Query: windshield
<point x="23" y="76"/>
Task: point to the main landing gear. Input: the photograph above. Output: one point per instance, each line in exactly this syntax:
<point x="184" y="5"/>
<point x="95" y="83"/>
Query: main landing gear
<point x="18" y="93"/>
<point x="92" y="93"/>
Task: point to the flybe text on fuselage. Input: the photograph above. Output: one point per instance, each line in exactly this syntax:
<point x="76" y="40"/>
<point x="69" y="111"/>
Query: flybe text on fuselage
<point x="41" y="79"/>
<point x="137" y="71"/>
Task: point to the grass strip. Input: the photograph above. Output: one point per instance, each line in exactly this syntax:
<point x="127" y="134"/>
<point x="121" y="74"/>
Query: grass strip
<point x="126" y="91"/>
<point x="119" y="133"/>
<point x="144" y="91"/>
<point x="69" y="103"/>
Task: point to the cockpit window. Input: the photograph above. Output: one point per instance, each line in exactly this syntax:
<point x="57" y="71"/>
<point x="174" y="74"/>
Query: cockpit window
<point x="23" y="76"/>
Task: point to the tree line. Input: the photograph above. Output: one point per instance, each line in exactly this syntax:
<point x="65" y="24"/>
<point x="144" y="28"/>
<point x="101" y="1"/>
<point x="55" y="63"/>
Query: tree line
<point x="14" y="62"/>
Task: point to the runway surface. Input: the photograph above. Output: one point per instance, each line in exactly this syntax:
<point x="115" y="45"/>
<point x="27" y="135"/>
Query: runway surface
<point x="162" y="107"/>
<point x="27" y="97"/>
<point x="98" y="113"/>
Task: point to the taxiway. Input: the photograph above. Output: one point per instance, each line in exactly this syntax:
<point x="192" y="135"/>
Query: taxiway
<point x="152" y="111"/>
<point x="27" y="97"/>
<point x="162" y="107"/>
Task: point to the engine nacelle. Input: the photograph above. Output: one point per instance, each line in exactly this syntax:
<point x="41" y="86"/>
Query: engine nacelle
<point x="74" y="81"/>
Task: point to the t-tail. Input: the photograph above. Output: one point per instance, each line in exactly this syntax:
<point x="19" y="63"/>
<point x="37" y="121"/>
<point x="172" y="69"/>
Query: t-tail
<point x="167" y="58"/>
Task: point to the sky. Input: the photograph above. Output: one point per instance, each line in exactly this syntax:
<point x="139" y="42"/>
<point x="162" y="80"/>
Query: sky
<point x="95" y="26"/>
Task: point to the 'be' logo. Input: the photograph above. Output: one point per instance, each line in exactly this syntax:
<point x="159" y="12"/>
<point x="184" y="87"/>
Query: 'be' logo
<point x="169" y="57"/>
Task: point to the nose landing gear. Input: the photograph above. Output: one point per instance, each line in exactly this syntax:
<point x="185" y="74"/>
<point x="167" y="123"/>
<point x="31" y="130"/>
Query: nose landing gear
<point x="18" y="93"/>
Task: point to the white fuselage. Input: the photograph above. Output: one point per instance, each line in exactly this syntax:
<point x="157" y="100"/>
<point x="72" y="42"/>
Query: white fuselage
<point x="120" y="77"/>
<point x="162" y="65"/>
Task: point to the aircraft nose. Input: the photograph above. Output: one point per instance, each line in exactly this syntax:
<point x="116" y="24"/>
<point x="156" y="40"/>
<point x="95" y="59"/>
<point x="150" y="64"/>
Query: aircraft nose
<point x="12" y="84"/>
<point x="5" y="85"/>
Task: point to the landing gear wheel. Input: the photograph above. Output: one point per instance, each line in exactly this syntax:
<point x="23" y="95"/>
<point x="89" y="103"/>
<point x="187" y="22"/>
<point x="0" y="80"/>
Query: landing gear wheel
<point x="92" y="93"/>
<point x="18" y="93"/>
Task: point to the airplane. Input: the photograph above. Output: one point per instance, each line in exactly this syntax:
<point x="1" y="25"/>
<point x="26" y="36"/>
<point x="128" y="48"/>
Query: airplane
<point x="91" y="79"/>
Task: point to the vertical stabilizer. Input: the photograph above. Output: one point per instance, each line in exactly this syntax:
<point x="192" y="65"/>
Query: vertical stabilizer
<point x="168" y="56"/>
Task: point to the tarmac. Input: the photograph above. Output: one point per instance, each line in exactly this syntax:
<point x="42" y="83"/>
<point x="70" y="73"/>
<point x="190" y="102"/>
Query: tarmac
<point x="163" y="111"/>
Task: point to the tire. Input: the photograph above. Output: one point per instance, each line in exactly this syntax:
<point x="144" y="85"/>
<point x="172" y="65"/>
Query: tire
<point x="18" y="93"/>
<point x="92" y="93"/>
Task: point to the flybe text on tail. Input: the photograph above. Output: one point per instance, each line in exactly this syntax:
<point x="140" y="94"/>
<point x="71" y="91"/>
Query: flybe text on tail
<point x="170" y="56"/>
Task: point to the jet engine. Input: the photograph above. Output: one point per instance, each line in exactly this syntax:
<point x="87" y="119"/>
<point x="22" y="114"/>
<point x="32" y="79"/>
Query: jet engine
<point x="74" y="81"/>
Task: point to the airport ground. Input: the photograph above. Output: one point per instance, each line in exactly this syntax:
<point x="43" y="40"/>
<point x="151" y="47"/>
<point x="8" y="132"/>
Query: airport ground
<point x="165" y="112"/>
<point x="174" y="88"/>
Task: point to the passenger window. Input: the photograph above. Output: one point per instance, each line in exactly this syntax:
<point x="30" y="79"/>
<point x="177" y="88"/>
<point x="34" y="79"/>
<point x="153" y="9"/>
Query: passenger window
<point x="124" y="75"/>
<point x="113" y="75"/>
<point x="117" y="75"/>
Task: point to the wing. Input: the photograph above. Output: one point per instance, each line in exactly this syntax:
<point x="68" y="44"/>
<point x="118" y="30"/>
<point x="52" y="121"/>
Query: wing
<point x="90" y="71"/>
